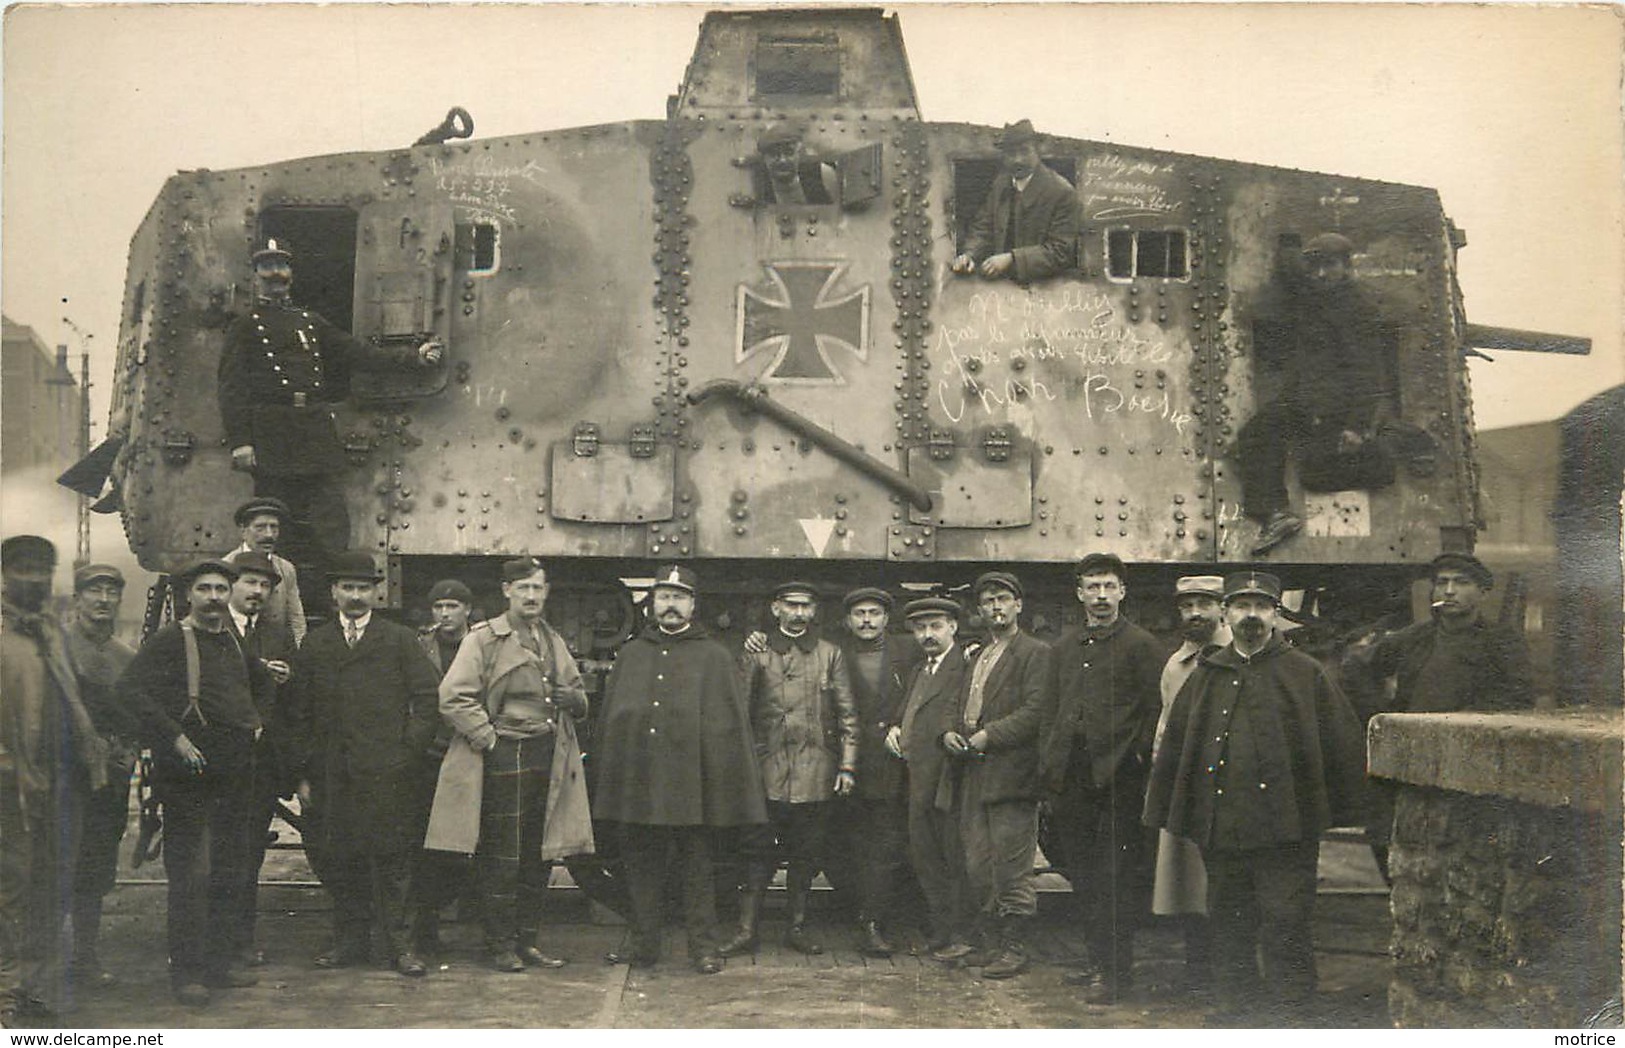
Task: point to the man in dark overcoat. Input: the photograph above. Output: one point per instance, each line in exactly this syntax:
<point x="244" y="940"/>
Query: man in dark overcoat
<point x="1005" y="699"/>
<point x="1095" y="757"/>
<point x="363" y="709"/>
<point x="870" y="825"/>
<point x="1027" y="226"/>
<point x="282" y="369"/>
<point x="929" y="712"/>
<point x="675" y="765"/>
<point x="1262" y="753"/>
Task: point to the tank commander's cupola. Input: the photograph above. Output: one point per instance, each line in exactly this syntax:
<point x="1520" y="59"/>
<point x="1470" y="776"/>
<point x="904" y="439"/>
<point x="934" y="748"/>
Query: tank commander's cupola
<point x="834" y="64"/>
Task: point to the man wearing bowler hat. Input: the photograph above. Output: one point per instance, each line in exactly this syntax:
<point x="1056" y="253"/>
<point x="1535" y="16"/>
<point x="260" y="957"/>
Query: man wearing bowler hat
<point x="1456" y="660"/>
<point x="1262" y="754"/>
<point x="282" y="370"/>
<point x="994" y="747"/>
<point x="362" y="709"/>
<point x="98" y="658"/>
<point x="48" y="744"/>
<point x="512" y="790"/>
<point x="805" y="725"/>
<point x="675" y="767"/>
<point x="1027" y="226"/>
<point x="929" y="712"/>
<point x="200" y="696"/>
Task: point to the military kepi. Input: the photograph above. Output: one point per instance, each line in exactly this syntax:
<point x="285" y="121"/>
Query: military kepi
<point x="353" y="564"/>
<point x="1259" y="583"/>
<point x="676" y="576"/>
<point x="272" y="251"/>
<point x="794" y="586"/>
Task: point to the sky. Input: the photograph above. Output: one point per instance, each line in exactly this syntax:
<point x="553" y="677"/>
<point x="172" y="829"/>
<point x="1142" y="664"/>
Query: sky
<point x="1512" y="113"/>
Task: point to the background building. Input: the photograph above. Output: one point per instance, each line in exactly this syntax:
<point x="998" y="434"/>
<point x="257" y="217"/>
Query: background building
<point x="39" y="403"/>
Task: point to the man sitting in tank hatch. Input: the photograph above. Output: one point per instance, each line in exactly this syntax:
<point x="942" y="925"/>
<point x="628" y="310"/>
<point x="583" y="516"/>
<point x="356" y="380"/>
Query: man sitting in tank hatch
<point x="794" y="177"/>
<point x="1027" y="227"/>
<point x="1324" y="353"/>
<point x="281" y="371"/>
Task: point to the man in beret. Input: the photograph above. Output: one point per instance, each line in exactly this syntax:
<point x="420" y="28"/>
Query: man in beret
<point x="1325" y="387"/>
<point x="511" y="790"/>
<point x="361" y="711"/>
<point x="202" y="729"/>
<point x="1095" y="755"/>
<point x="1007" y="696"/>
<point x="805" y="725"/>
<point x="1456" y="660"/>
<point x="48" y="747"/>
<point x="98" y="658"/>
<point x="282" y="370"/>
<point x="261" y="520"/>
<point x="438" y="876"/>
<point x="793" y="177"/>
<point x="1179" y="888"/>
<point x="1027" y="226"/>
<point x="270" y="641"/>
<point x="870" y="827"/>
<point x="1262" y="754"/>
<point x="930" y="712"/>
<point x="675" y="767"/>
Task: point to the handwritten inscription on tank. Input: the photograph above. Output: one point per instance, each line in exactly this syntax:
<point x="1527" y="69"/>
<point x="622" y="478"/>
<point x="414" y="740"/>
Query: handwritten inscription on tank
<point x="1009" y="346"/>
<point x="482" y="186"/>
<point x="1114" y="187"/>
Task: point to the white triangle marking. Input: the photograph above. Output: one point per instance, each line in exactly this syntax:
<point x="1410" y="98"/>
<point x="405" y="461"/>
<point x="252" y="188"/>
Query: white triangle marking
<point x="818" y="530"/>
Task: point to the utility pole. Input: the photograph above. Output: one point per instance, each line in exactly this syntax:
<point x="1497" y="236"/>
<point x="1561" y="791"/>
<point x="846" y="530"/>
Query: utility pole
<point x="81" y="555"/>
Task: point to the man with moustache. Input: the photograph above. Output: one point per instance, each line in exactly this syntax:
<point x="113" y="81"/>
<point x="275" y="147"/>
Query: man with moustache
<point x="48" y="748"/>
<point x="362" y="709"/>
<point x="805" y="725"/>
<point x="930" y="707"/>
<point x="200" y="696"/>
<point x="1262" y="753"/>
<point x="261" y="521"/>
<point x="675" y="767"/>
<point x="1456" y="660"/>
<point x="511" y="789"/>
<point x="1094" y="758"/>
<point x="793" y="177"/>
<point x="1007" y="696"/>
<point x="1180" y="886"/>
<point x="270" y="640"/>
<point x="1027" y="226"/>
<point x="437" y="876"/>
<point x="98" y="658"/>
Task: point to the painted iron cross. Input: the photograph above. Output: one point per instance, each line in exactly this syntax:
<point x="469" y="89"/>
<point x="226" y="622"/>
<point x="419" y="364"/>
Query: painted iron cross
<point x="799" y="320"/>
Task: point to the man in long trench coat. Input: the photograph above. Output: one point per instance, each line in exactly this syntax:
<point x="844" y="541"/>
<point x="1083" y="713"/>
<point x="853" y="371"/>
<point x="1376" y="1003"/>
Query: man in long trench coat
<point x="676" y="765"/>
<point x="362" y="712"/>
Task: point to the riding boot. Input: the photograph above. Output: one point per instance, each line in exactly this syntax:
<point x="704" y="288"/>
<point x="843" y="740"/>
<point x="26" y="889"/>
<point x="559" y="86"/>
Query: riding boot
<point x="750" y="910"/>
<point x="799" y="883"/>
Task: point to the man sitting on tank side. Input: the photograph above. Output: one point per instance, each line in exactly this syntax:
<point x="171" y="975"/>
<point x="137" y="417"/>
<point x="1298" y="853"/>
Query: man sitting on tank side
<point x="1027" y="226"/>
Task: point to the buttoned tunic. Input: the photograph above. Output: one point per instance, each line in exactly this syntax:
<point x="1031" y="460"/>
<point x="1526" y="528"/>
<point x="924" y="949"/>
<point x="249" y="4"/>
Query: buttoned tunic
<point x="1107" y="701"/>
<point x="803" y="716"/>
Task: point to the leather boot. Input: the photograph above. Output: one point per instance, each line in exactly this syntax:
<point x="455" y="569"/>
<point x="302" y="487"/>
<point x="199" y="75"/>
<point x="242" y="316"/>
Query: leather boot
<point x="800" y="887"/>
<point x="984" y="945"/>
<point x="750" y="909"/>
<point x="1012" y="958"/>
<point x="871" y="943"/>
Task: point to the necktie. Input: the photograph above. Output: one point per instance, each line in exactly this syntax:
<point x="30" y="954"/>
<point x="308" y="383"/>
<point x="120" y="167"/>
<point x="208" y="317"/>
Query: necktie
<point x="351" y="634"/>
<point x="1010" y="221"/>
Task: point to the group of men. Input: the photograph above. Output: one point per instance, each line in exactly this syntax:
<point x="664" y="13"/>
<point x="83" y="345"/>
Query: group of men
<point x="882" y="757"/>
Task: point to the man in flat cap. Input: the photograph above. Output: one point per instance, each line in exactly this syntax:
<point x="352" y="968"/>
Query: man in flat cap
<point x="1027" y="226"/>
<point x="870" y="827"/>
<point x="1262" y="753"/>
<point x="281" y="619"/>
<point x="200" y="697"/>
<point x="1094" y="759"/>
<point x="48" y="748"/>
<point x="675" y="766"/>
<point x="282" y="369"/>
<point x="361" y="711"/>
<point x="1325" y="386"/>
<point x="1179" y="886"/>
<point x="512" y="791"/>
<point x="793" y="177"/>
<point x="930" y="711"/>
<point x="270" y="642"/>
<point x="1456" y="660"/>
<point x="438" y="876"/>
<point x="98" y="659"/>
<point x="805" y="725"/>
<point x="1006" y="698"/>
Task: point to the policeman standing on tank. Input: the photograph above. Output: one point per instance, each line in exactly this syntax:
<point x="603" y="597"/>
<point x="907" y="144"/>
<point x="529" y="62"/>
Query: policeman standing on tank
<point x="282" y="369"/>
